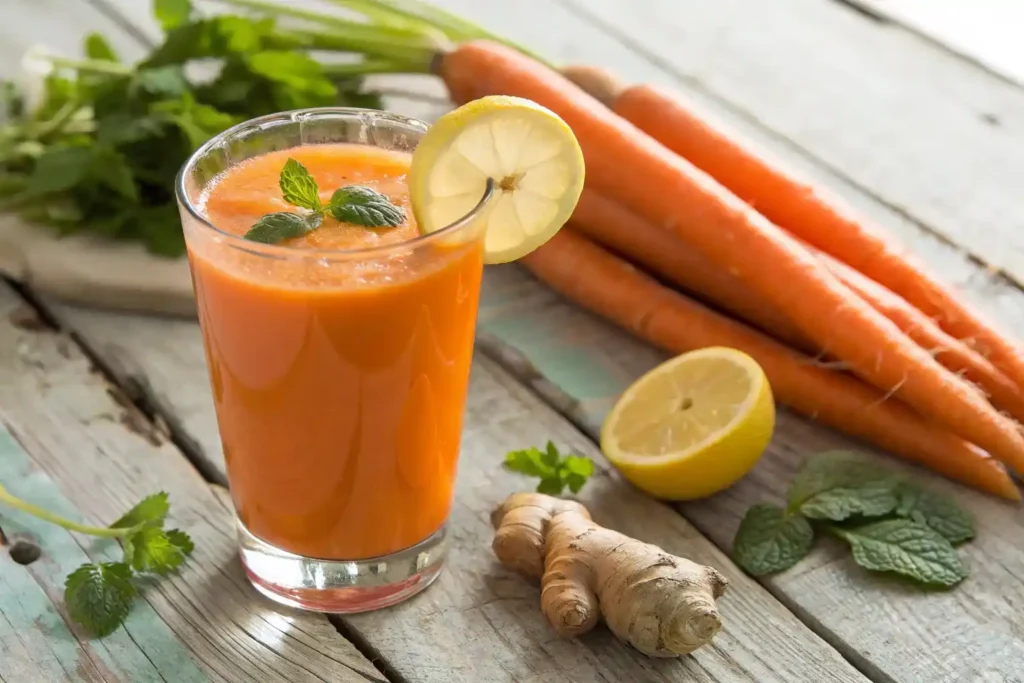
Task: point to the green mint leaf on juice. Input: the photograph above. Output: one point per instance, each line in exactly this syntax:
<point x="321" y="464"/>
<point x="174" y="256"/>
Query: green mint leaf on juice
<point x="99" y="596"/>
<point x="771" y="539"/>
<point x="908" y="548"/>
<point x="281" y="226"/>
<point x="298" y="187"/>
<point x="363" y="206"/>
<point x="936" y="511"/>
<point x="354" y="204"/>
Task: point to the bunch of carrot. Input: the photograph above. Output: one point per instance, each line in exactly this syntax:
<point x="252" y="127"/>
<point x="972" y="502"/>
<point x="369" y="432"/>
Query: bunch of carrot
<point x="794" y="275"/>
<point x="801" y="278"/>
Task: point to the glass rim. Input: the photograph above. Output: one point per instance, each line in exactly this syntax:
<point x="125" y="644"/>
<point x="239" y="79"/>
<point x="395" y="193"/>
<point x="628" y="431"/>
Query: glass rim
<point x="280" y="251"/>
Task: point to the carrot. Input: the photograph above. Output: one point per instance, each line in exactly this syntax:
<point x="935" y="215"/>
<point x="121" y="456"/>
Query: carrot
<point x="605" y="284"/>
<point x="662" y="253"/>
<point x="797" y="206"/>
<point x="625" y="164"/>
<point x="952" y="353"/>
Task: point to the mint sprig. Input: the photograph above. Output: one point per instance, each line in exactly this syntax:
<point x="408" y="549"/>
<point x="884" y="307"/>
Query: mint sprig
<point x="353" y="204"/>
<point x="555" y="471"/>
<point x="891" y="525"/>
<point x="100" y="595"/>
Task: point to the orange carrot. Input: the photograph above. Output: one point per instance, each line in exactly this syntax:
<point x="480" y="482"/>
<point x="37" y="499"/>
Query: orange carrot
<point x="952" y="353"/>
<point x="802" y="209"/>
<point x="661" y="252"/>
<point x="607" y="285"/>
<point x="625" y="164"/>
<point x="664" y="254"/>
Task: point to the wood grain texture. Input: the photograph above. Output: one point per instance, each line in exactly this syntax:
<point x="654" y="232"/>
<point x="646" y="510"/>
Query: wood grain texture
<point x="84" y="451"/>
<point x="984" y="31"/>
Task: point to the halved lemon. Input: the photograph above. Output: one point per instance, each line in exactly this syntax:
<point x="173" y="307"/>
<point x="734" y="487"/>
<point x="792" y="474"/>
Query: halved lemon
<point x="528" y="151"/>
<point x="692" y="426"/>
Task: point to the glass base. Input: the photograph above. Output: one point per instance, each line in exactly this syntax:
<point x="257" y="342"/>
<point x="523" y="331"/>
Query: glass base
<point x="341" y="586"/>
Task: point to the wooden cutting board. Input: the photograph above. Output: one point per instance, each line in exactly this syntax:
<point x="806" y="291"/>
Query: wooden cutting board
<point x="90" y="271"/>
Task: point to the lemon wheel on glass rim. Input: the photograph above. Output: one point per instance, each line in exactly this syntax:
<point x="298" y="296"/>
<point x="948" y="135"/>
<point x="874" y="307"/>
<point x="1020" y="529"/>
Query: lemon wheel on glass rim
<point x="692" y="426"/>
<point x="529" y="153"/>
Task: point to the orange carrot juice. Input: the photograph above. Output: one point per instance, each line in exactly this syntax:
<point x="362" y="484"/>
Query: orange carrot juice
<point x="339" y="359"/>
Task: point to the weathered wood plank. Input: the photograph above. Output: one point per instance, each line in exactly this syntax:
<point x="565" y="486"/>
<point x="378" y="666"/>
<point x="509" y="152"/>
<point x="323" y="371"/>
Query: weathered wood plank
<point x="86" y="452"/>
<point x="985" y="31"/>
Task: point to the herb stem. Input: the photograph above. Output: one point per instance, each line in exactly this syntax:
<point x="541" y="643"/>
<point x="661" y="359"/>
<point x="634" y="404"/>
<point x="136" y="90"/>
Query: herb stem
<point x="17" y="503"/>
<point x="455" y="27"/>
<point x="367" y="40"/>
<point x="98" y="66"/>
<point x="371" y="66"/>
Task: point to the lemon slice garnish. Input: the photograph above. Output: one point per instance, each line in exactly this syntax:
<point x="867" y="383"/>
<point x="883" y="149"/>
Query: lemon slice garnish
<point x="529" y="153"/>
<point x="692" y="426"/>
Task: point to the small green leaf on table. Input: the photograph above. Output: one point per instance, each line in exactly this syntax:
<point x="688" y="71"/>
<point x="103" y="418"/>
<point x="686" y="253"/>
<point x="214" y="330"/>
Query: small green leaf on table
<point x="839" y="485"/>
<point x="555" y="471"/>
<point x="99" y="596"/>
<point x="938" y="512"/>
<point x="908" y="548"/>
<point x="150" y="511"/>
<point x="771" y="540"/>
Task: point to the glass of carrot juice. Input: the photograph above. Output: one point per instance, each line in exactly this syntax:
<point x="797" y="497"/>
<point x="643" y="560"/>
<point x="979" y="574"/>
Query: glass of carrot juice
<point x="339" y="359"/>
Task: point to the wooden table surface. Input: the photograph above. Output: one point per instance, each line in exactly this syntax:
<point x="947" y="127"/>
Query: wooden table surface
<point x="98" y="409"/>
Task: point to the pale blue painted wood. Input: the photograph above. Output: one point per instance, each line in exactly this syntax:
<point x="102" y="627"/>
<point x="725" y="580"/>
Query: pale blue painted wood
<point x="33" y="631"/>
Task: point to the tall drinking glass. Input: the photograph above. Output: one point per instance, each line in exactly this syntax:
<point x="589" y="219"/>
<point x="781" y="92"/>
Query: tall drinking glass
<point x="339" y="374"/>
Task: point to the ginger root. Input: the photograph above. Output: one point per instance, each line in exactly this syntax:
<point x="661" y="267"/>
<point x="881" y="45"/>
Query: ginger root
<point x="662" y="605"/>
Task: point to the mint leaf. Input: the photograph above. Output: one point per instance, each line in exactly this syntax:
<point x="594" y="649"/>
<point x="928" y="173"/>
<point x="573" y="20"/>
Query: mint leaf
<point x="550" y="455"/>
<point x="182" y="540"/>
<point x="938" y="512"/>
<point x="575" y="471"/>
<point x="172" y="13"/>
<point x="907" y="548"/>
<point x="530" y="462"/>
<point x="839" y="485"/>
<point x="154" y="551"/>
<point x="771" y="540"/>
<point x="97" y="47"/>
<point x="555" y="471"/>
<point x="364" y="206"/>
<point x="99" y="596"/>
<point x="299" y="187"/>
<point x="151" y="511"/>
<point x="277" y="227"/>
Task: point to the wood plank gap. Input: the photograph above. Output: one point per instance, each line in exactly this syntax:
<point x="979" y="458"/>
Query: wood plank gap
<point x="868" y="8"/>
<point x="865" y="11"/>
<point x="652" y="58"/>
<point x="360" y="642"/>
